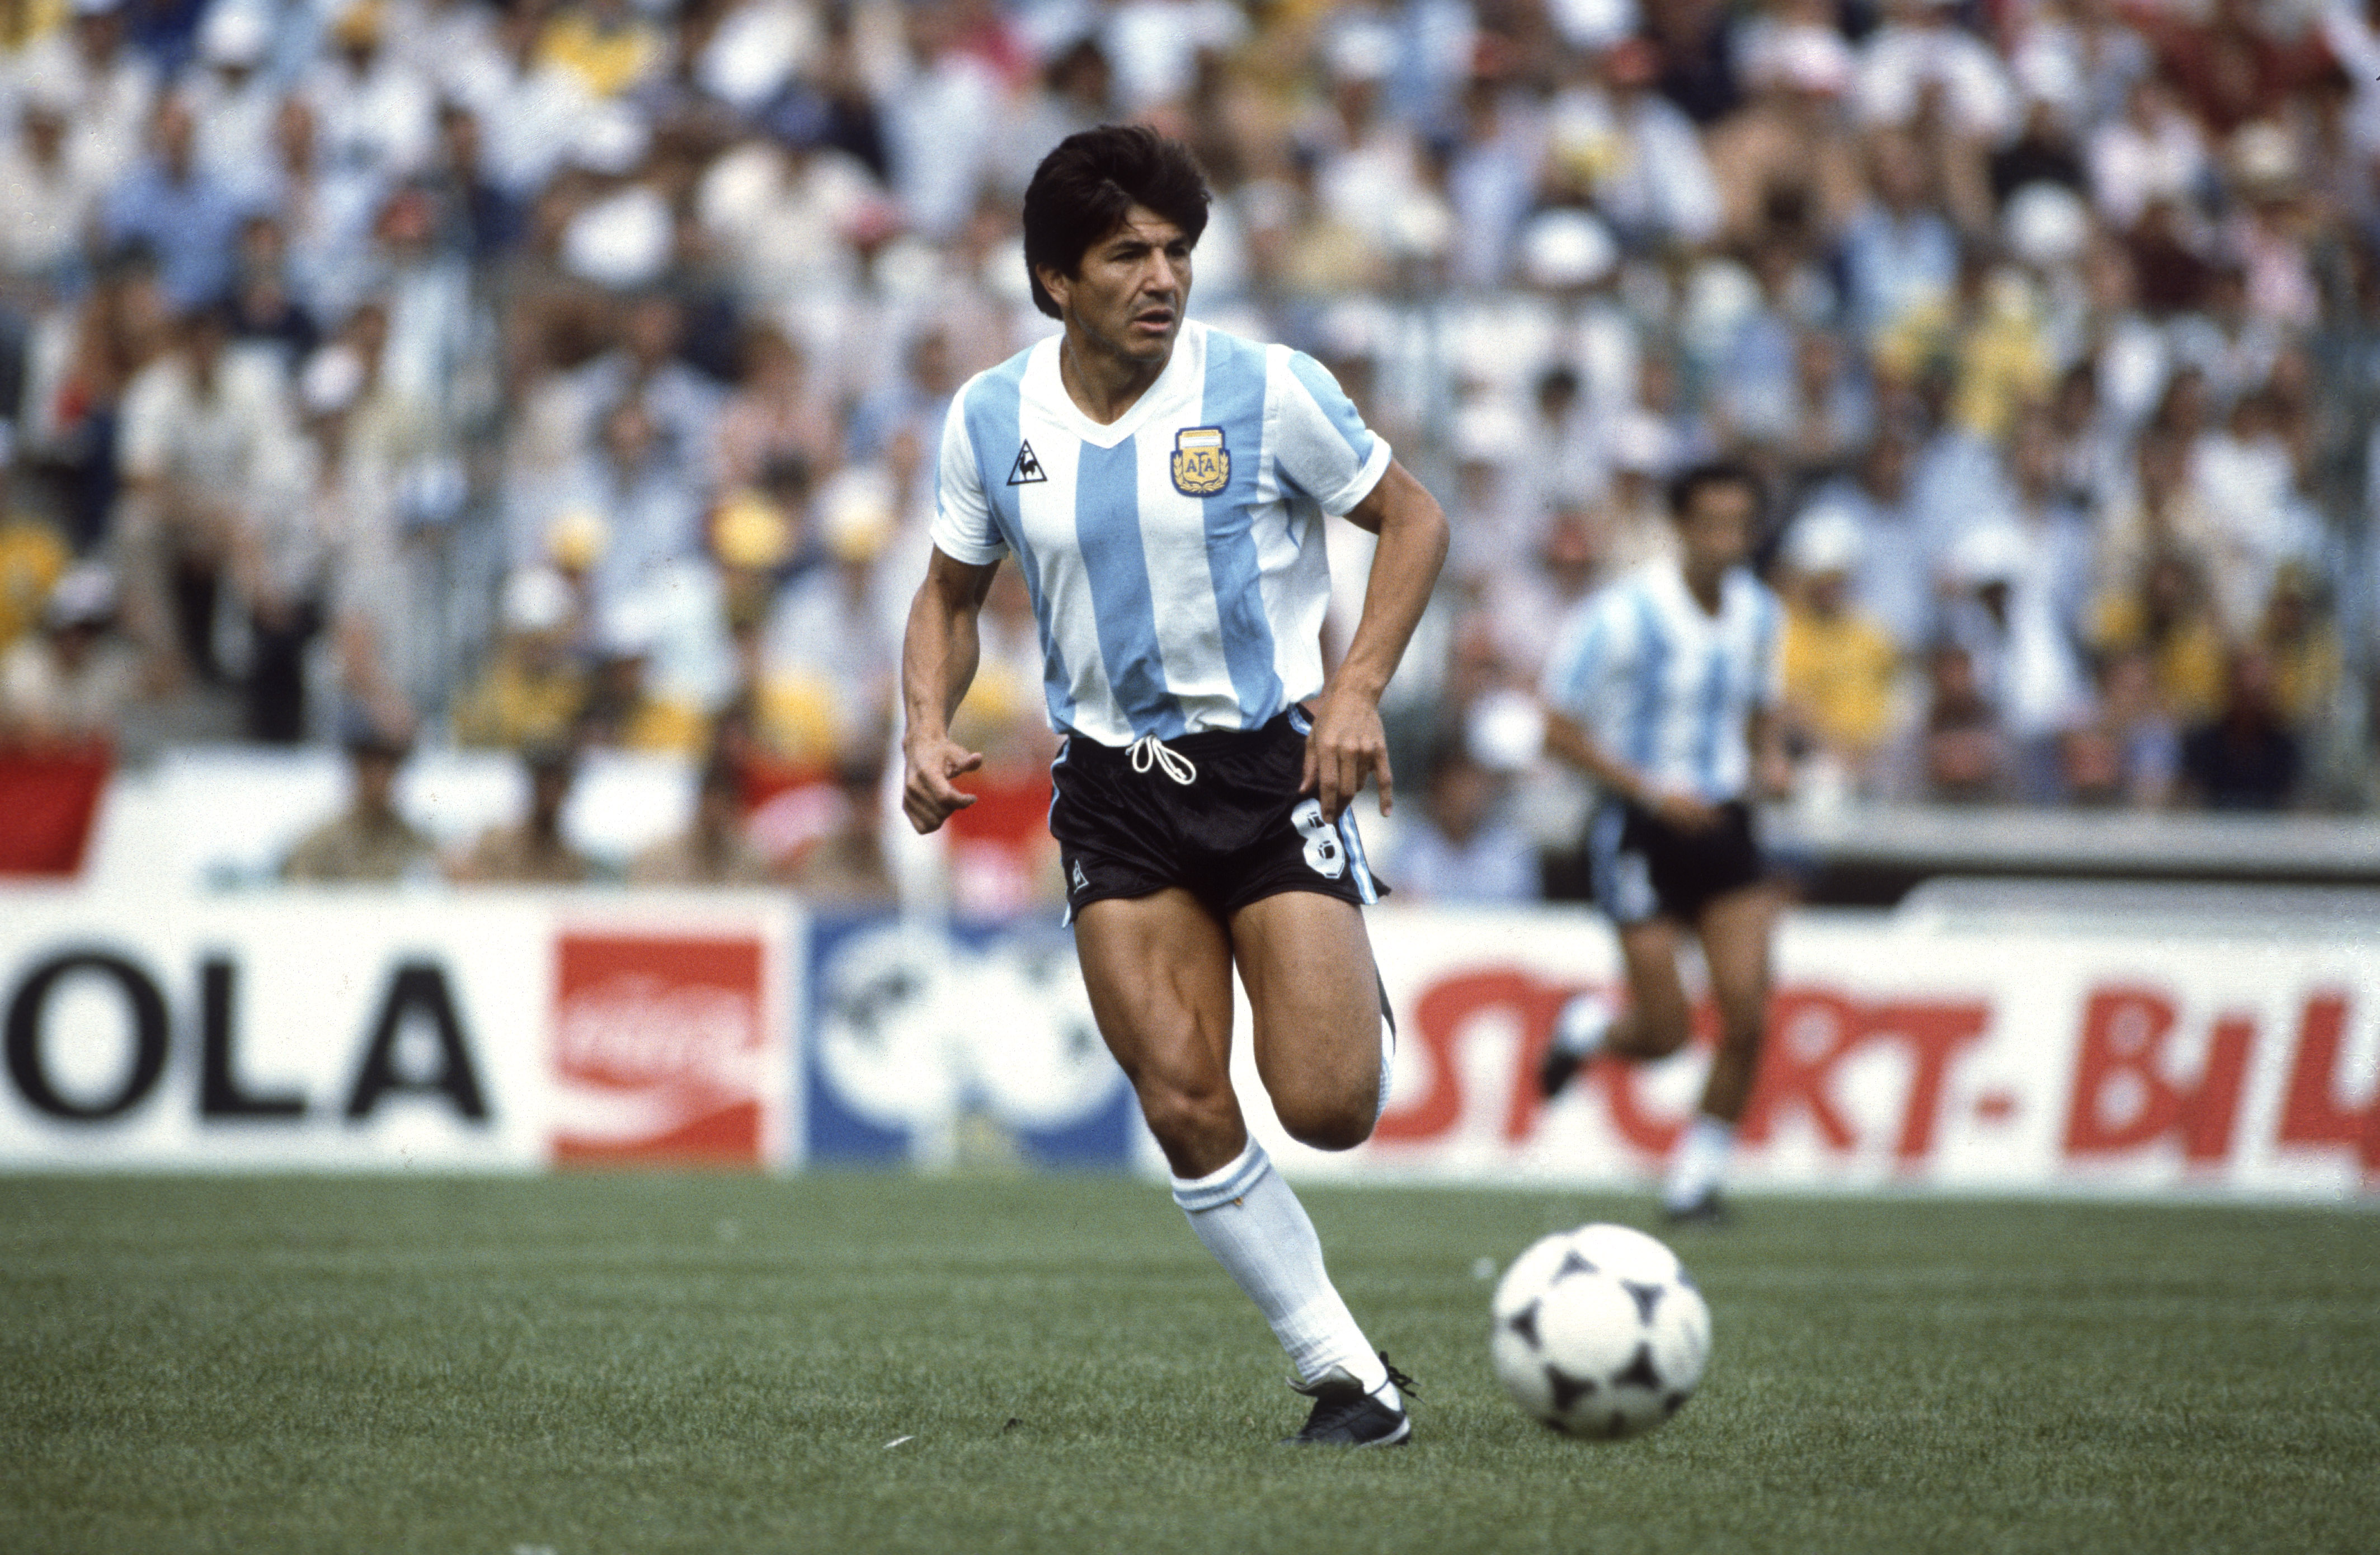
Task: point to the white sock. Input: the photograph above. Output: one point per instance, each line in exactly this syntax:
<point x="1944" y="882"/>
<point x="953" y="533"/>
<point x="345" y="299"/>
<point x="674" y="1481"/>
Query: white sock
<point x="1584" y="1023"/>
<point x="1257" y="1231"/>
<point x="1388" y="1058"/>
<point x="1699" y="1161"/>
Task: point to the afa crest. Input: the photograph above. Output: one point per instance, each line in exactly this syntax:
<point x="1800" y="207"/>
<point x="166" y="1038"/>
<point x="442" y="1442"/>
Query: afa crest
<point x="1202" y="466"/>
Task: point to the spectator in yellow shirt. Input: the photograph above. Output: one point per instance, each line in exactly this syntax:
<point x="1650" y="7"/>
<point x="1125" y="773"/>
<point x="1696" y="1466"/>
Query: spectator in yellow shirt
<point x="2303" y="643"/>
<point x="32" y="559"/>
<point x="535" y="685"/>
<point x="605" y="43"/>
<point x="1841" y="669"/>
<point x="2166" y="614"/>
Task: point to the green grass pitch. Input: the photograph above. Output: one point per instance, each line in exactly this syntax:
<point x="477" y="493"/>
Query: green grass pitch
<point x="705" y="1364"/>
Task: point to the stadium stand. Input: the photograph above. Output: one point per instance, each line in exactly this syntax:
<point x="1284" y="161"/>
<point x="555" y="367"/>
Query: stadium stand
<point x="491" y="373"/>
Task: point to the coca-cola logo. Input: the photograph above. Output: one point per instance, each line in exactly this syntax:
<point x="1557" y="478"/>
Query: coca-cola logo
<point x="661" y="1046"/>
<point x="635" y="1030"/>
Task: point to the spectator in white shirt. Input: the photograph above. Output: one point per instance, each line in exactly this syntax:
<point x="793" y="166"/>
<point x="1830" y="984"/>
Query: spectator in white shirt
<point x="650" y="504"/>
<point x="938" y="119"/>
<point x="199" y="428"/>
<point x="107" y="88"/>
<point x="1919" y="53"/>
<point x="2246" y="476"/>
<point x="233" y="97"/>
<point x="2004" y="613"/>
<point x="47" y="200"/>
<point x="1656" y="188"/>
<point x="325" y="213"/>
<point x="1491" y="180"/>
<point x="2154" y="151"/>
<point x="68" y="684"/>
<point x="374" y="109"/>
<point x="1155" y="45"/>
<point x="682" y="403"/>
<point x="1892" y="584"/>
<point x="530" y="111"/>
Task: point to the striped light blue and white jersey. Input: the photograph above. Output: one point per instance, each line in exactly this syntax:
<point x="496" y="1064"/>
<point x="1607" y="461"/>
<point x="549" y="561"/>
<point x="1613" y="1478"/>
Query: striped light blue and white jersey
<point x="1176" y="557"/>
<point x="1664" y="686"/>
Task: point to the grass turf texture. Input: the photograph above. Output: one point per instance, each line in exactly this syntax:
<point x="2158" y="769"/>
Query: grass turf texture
<point x="601" y="1362"/>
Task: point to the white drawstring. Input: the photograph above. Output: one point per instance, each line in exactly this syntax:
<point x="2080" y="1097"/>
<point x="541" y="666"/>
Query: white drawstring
<point x="1173" y="763"/>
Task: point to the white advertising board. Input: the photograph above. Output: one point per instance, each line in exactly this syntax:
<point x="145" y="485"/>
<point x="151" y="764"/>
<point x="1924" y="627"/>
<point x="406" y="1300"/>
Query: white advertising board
<point x="2099" y="1060"/>
<point x="360" y="1030"/>
<point x="495" y="1030"/>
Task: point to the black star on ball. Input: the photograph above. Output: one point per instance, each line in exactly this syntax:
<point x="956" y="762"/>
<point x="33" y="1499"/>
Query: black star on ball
<point x="1568" y="1390"/>
<point x="1640" y="1372"/>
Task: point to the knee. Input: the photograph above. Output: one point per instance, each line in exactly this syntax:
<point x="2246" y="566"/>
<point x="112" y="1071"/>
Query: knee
<point x="1740" y="1031"/>
<point x="1663" y="1026"/>
<point x="1186" y="1113"/>
<point x="1328" y="1118"/>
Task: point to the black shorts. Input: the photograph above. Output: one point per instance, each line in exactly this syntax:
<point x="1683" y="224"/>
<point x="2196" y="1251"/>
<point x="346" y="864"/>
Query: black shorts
<point x="1641" y="868"/>
<point x="1236" y="833"/>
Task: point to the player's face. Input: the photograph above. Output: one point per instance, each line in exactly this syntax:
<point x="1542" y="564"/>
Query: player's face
<point x="1716" y="529"/>
<point x="1128" y="293"/>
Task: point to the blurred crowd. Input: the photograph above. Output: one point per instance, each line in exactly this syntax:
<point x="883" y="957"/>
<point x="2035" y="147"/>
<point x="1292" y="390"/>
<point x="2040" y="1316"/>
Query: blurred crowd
<point x="567" y="373"/>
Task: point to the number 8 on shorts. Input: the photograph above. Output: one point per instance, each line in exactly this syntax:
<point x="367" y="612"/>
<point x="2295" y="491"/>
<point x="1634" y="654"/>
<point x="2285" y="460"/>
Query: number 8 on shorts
<point x="1324" y="853"/>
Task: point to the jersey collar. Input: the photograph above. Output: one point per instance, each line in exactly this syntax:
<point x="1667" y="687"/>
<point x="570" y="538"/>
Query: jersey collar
<point x="1044" y="384"/>
<point x="1670" y="580"/>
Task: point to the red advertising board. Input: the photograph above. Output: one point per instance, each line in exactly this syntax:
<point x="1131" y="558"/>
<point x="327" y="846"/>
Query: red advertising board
<point x="47" y="802"/>
<point x="660" y="1043"/>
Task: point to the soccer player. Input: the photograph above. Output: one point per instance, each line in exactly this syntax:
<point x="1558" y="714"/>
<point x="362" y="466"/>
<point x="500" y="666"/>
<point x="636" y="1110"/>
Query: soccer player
<point x="1164" y="489"/>
<point x="1663" y="689"/>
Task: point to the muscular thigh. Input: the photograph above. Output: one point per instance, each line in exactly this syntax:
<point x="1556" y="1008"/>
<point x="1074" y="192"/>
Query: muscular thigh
<point x="1736" y="930"/>
<point x="1159" y="971"/>
<point x="1649" y="958"/>
<point x="1313" y="991"/>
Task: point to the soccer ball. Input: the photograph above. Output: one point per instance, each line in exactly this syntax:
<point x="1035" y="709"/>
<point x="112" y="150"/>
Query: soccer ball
<point x="1599" y="1332"/>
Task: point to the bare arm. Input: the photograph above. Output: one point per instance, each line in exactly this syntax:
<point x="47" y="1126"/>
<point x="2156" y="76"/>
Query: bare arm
<point x="1772" y="768"/>
<point x="1570" y="742"/>
<point x="938" y="663"/>
<point x="1348" y="743"/>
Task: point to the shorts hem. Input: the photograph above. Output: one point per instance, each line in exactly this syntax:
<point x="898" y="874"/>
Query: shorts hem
<point x="1118" y="891"/>
<point x="1222" y="907"/>
<point x="1686" y="917"/>
<point x="1307" y="888"/>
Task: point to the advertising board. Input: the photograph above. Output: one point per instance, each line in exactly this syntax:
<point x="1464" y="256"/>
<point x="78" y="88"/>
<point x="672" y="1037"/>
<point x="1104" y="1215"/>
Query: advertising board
<point x="673" y="1030"/>
<point x="2095" y="1060"/>
<point x="937" y="1045"/>
<point x="510" y="1031"/>
<point x="341" y="1031"/>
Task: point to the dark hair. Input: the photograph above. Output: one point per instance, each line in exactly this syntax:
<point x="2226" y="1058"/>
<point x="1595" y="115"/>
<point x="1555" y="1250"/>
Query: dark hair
<point x="548" y="757"/>
<point x="1085" y="188"/>
<point x="1448" y="753"/>
<point x="1688" y="482"/>
<point x="364" y="735"/>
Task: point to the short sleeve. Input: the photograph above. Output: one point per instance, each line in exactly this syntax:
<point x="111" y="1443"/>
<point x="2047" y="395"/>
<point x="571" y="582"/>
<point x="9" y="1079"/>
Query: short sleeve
<point x="1322" y="447"/>
<point x="1768" y="656"/>
<point x="1589" y="655"/>
<point x="962" y="528"/>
